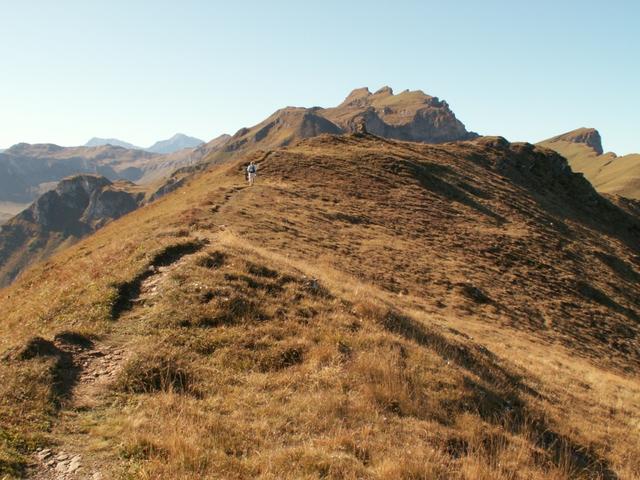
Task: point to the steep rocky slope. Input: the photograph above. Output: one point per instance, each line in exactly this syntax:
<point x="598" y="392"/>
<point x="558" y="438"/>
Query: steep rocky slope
<point x="369" y="309"/>
<point x="606" y="171"/>
<point x="77" y="206"/>
<point x="409" y="115"/>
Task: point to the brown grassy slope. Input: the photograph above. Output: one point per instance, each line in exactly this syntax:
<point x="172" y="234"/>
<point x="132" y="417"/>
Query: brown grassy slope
<point x="606" y="171"/>
<point x="370" y="309"/>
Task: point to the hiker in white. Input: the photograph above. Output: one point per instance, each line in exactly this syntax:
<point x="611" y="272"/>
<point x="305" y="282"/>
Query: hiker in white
<point x="251" y="172"/>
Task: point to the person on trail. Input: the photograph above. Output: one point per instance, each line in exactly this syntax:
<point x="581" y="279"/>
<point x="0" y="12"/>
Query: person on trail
<point x="251" y="172"/>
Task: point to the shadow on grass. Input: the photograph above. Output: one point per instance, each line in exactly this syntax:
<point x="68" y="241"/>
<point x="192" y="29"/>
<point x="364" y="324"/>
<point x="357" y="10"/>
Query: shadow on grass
<point x="499" y="400"/>
<point x="128" y="292"/>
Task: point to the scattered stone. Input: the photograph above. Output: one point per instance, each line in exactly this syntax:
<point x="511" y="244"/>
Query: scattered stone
<point x="44" y="454"/>
<point x="74" y="465"/>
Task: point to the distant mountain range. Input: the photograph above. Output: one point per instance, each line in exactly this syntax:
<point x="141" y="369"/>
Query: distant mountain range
<point x="607" y="172"/>
<point x="28" y="170"/>
<point x="114" y="142"/>
<point x="178" y="142"/>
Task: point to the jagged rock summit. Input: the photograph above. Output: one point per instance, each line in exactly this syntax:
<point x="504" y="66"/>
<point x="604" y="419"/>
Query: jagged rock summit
<point x="409" y="115"/>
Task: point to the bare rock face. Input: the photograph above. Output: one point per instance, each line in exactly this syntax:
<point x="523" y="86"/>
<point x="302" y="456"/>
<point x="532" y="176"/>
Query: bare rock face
<point x="409" y="115"/>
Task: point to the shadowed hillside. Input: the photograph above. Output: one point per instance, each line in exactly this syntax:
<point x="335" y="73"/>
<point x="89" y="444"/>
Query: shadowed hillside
<point x="370" y="309"/>
<point x="607" y="172"/>
<point x="77" y="206"/>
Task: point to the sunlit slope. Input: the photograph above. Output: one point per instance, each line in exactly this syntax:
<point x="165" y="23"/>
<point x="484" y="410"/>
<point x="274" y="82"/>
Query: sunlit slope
<point x="369" y="309"/>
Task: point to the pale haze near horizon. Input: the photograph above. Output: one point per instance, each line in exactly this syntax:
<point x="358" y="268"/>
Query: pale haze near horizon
<point x="142" y="71"/>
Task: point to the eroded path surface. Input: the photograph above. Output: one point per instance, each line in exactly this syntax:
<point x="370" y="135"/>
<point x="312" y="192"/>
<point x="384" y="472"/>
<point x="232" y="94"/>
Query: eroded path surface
<point x="87" y="371"/>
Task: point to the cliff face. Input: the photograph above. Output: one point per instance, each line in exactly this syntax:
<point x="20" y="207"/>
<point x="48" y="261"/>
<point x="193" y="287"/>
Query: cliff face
<point x="409" y="115"/>
<point x="76" y="207"/>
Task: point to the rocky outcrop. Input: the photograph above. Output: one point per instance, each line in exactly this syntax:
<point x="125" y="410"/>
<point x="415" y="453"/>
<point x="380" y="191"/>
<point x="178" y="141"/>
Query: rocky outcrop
<point x="77" y="207"/>
<point x="587" y="136"/>
<point x="409" y="115"/>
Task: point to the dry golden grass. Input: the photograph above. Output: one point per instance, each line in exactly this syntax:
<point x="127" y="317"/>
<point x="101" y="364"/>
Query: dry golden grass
<point x="370" y="309"/>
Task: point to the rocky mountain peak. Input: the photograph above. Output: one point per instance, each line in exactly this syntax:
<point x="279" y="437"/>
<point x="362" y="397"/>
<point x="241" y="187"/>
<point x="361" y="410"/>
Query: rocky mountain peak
<point x="384" y="91"/>
<point x="588" y="136"/>
<point x="356" y="96"/>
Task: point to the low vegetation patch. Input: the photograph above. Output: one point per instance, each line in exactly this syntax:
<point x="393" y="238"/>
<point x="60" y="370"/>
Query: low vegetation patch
<point x="158" y="370"/>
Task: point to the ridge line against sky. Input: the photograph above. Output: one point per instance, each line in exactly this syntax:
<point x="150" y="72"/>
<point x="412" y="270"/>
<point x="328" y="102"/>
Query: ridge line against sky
<point x="140" y="71"/>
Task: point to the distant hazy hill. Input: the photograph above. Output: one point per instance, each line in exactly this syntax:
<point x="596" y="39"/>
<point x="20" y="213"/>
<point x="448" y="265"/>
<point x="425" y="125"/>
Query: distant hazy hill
<point x="409" y="115"/>
<point x="98" y="142"/>
<point x="606" y="171"/>
<point x="28" y="170"/>
<point x="178" y="142"/>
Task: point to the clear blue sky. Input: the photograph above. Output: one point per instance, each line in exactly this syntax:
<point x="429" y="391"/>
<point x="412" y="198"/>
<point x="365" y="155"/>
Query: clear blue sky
<point x="143" y="70"/>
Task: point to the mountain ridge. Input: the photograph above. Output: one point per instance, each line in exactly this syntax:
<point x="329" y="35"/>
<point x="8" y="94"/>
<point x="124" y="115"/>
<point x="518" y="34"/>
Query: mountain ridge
<point x="370" y="308"/>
